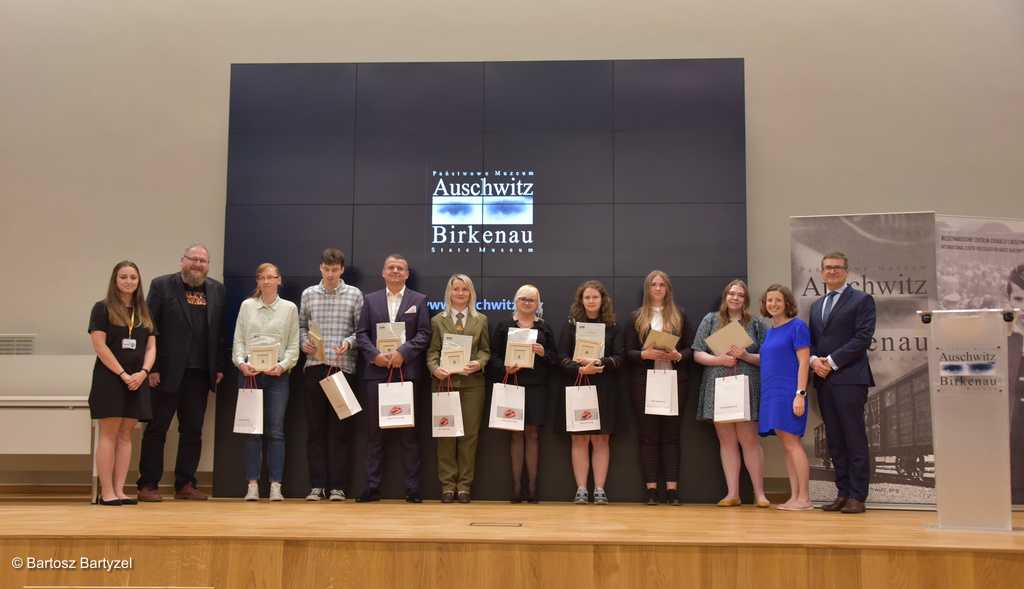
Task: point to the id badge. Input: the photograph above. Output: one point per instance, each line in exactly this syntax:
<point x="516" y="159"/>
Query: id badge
<point x="128" y="344"/>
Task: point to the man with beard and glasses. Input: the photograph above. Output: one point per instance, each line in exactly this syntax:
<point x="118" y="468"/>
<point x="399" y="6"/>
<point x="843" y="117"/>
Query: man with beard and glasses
<point x="187" y="308"/>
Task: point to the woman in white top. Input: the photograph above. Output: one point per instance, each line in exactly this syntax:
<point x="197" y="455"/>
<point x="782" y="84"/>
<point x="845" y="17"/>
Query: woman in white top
<point x="267" y="325"/>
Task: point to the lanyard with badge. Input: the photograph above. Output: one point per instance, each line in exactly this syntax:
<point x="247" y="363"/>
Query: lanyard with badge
<point x="129" y="343"/>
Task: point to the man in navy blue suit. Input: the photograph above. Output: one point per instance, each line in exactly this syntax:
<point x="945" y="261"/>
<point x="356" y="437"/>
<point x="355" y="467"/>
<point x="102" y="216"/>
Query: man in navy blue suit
<point x="395" y="303"/>
<point x="842" y="325"/>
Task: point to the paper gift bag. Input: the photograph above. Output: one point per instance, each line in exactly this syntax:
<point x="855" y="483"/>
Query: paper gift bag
<point x="732" y="398"/>
<point x="581" y="409"/>
<point x="395" y="405"/>
<point x="662" y="394"/>
<point x="340" y="395"/>
<point x="446" y="415"/>
<point x="249" y="411"/>
<point x="508" y="407"/>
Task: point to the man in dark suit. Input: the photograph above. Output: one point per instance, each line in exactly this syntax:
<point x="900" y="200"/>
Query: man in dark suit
<point x="842" y="325"/>
<point x="395" y="303"/>
<point x="187" y="309"/>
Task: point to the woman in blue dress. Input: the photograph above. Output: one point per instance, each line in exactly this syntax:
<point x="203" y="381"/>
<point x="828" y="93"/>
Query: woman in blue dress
<point x="785" y="360"/>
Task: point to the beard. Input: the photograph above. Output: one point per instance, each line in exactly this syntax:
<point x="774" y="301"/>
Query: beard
<point x="193" y="277"/>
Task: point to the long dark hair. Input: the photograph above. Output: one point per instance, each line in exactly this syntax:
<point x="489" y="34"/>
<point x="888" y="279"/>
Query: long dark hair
<point x="117" y="312"/>
<point x="723" y="307"/>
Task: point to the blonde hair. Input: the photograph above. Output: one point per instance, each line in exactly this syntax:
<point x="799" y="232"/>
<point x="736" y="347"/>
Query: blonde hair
<point x="723" y="306"/>
<point x="472" y="293"/>
<point x="260" y="270"/>
<point x="527" y="290"/>
<point x="672" y="316"/>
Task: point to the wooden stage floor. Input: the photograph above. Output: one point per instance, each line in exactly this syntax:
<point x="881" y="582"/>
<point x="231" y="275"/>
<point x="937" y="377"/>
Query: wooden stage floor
<point x="228" y="543"/>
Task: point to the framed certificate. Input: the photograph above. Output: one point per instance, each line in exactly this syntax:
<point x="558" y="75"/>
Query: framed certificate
<point x="589" y="341"/>
<point x="263" y="357"/>
<point x="390" y="336"/>
<point x="519" y="354"/>
<point x="455" y="350"/>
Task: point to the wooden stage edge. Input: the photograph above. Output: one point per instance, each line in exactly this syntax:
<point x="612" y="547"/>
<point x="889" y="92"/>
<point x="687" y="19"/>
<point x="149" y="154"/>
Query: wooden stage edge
<point x="295" y="544"/>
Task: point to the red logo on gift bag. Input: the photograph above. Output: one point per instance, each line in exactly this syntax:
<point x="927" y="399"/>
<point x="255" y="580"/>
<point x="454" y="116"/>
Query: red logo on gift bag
<point x="443" y="422"/>
<point x="585" y="414"/>
<point x="510" y="413"/>
<point x="395" y="410"/>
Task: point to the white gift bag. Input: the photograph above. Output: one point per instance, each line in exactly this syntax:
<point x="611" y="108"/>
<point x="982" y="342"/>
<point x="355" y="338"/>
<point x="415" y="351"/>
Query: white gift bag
<point x="581" y="409"/>
<point x="395" y="405"/>
<point x="732" y="398"/>
<point x="446" y="415"/>
<point x="340" y="395"/>
<point x="662" y="394"/>
<point x="249" y="410"/>
<point x="508" y="407"/>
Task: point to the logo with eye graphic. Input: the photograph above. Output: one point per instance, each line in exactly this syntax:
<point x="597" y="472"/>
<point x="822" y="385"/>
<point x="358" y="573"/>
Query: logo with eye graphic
<point x="967" y="368"/>
<point x="482" y="211"/>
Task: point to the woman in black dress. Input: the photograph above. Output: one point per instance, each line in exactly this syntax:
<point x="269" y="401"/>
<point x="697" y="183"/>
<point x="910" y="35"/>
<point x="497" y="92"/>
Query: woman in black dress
<point x="124" y="340"/>
<point x="593" y="305"/>
<point x="537" y="382"/>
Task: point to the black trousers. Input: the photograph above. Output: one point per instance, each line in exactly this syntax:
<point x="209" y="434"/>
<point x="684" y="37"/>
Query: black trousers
<point x="189" y="402"/>
<point x="328" y="440"/>
<point x="659" y="440"/>
<point x="375" y="442"/>
<point x="842" y="410"/>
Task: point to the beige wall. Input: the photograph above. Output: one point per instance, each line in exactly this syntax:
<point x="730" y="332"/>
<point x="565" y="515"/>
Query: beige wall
<point x="113" y="114"/>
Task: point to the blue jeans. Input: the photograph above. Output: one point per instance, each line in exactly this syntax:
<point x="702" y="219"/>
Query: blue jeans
<point x="275" y="401"/>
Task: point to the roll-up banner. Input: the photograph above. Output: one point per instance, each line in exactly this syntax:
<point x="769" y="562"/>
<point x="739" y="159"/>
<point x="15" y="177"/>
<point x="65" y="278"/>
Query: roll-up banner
<point x="909" y="262"/>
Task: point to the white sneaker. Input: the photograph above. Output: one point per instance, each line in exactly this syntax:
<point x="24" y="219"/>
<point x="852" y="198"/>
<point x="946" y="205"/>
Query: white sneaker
<point x="253" y="492"/>
<point x="275" y="492"/>
<point x="582" y="496"/>
<point x="337" y="495"/>
<point x="315" y="494"/>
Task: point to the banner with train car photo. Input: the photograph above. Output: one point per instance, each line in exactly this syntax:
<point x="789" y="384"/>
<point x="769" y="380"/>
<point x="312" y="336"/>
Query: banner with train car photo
<point x="980" y="265"/>
<point x="891" y="257"/>
<point x="907" y="262"/>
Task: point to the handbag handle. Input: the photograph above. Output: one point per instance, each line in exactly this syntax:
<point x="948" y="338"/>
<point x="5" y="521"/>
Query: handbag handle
<point x="401" y="374"/>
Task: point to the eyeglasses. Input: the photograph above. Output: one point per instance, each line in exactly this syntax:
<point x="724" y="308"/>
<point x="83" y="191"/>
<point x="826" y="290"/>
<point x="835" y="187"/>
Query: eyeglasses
<point x="833" y="268"/>
<point x="526" y="300"/>
<point x="196" y="260"/>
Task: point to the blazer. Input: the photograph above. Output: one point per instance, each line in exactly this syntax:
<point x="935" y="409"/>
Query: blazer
<point x="173" y="322"/>
<point x="639" y="366"/>
<point x="846" y="337"/>
<point x="476" y="326"/>
<point x="413" y="312"/>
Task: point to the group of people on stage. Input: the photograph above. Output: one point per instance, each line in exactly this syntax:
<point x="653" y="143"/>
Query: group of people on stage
<point x="158" y="356"/>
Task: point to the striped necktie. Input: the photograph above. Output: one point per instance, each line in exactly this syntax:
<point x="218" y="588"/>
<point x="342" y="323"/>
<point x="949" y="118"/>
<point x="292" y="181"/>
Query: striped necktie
<point x="459" y="326"/>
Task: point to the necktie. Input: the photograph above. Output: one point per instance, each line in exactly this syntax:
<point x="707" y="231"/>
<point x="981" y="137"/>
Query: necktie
<point x="459" y="326"/>
<point x="830" y="300"/>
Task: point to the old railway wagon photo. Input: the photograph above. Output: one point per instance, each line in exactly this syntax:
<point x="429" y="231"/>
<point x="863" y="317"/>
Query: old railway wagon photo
<point x="899" y="425"/>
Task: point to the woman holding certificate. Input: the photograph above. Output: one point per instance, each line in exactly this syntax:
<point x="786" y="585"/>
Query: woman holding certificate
<point x="122" y="335"/>
<point x="525" y="354"/>
<point x="266" y="347"/>
<point x="459" y="349"/>
<point x="592" y="351"/>
<point x="785" y="363"/>
<point x="729" y="359"/>
<point x="658" y="339"/>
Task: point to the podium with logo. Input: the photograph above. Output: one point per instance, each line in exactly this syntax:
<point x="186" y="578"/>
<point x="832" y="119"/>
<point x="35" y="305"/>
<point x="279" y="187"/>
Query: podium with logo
<point x="970" y="396"/>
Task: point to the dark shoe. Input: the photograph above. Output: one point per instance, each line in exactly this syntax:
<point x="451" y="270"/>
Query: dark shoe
<point x="128" y="501"/>
<point x="149" y="495"/>
<point x="463" y="496"/>
<point x="672" y="497"/>
<point x="413" y="497"/>
<point x="113" y="502"/>
<point x="652" y="496"/>
<point x="191" y="493"/>
<point x="835" y="505"/>
<point x="369" y="495"/>
<point x="853" y="506"/>
<point x="517" y="497"/>
<point x="533" y="498"/>
<point x="448" y="497"/>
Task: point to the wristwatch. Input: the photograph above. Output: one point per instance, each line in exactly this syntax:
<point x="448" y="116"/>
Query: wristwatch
<point x="801" y="393"/>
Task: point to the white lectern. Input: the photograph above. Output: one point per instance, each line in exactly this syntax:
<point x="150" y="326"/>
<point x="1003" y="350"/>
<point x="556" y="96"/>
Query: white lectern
<point x="967" y="368"/>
